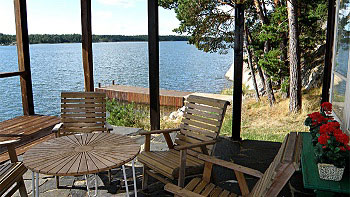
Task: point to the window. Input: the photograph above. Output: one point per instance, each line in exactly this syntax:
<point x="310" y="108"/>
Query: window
<point x="340" y="94"/>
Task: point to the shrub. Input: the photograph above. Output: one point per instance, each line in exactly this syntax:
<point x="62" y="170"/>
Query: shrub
<point x="122" y="114"/>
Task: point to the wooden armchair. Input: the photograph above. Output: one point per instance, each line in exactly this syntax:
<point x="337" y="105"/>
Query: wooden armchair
<point x="286" y="162"/>
<point x="197" y="134"/>
<point x="12" y="173"/>
<point x="82" y="112"/>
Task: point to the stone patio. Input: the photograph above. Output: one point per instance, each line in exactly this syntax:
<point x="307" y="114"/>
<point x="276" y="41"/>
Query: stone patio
<point x="253" y="154"/>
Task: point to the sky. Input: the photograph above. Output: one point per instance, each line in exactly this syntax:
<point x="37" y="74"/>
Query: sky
<point x="112" y="17"/>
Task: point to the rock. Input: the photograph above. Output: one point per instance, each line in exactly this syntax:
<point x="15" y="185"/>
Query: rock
<point x="177" y="114"/>
<point x="247" y="77"/>
<point x="312" y="74"/>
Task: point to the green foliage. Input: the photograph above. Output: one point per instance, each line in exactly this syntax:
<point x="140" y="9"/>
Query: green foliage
<point x="209" y="26"/>
<point x="285" y="85"/>
<point x="273" y="65"/>
<point x="76" y="38"/>
<point x="122" y="114"/>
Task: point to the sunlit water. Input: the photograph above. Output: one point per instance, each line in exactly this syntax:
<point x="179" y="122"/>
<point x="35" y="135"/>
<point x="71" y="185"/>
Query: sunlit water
<point x="58" y="67"/>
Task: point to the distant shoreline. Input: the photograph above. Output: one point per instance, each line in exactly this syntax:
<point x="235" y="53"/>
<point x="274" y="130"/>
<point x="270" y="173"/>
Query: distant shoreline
<point x="8" y="40"/>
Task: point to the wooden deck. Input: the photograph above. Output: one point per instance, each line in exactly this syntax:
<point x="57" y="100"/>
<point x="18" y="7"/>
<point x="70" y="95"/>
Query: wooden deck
<point x="141" y="95"/>
<point x="30" y="129"/>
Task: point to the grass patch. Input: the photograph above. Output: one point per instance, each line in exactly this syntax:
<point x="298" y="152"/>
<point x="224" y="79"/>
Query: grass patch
<point x="262" y="122"/>
<point x="137" y="115"/>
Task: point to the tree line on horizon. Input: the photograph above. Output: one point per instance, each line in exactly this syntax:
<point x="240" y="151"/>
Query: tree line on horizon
<point x="6" y="39"/>
<point x="281" y="37"/>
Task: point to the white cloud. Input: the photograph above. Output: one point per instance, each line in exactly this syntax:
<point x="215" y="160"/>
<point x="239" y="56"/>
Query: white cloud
<point x="7" y="18"/>
<point x="103" y="14"/>
<point x="124" y="3"/>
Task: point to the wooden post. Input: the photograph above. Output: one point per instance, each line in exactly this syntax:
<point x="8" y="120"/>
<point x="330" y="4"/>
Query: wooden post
<point x="23" y="56"/>
<point x="238" y="72"/>
<point x="86" y="39"/>
<point x="153" y="53"/>
<point x="327" y="74"/>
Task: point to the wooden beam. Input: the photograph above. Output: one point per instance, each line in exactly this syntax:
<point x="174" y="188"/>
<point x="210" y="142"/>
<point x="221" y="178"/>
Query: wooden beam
<point x="23" y="56"/>
<point x="153" y="53"/>
<point x="238" y="73"/>
<point x="11" y="74"/>
<point x="327" y="74"/>
<point x="86" y="39"/>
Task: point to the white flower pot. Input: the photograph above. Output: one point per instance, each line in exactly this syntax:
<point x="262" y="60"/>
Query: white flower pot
<point x="330" y="172"/>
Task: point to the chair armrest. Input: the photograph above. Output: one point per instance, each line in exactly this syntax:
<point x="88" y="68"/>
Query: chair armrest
<point x="178" y="191"/>
<point x="158" y="131"/>
<point x="7" y="142"/>
<point x="230" y="165"/>
<point x="56" y="128"/>
<point x="108" y="126"/>
<point x="194" y="145"/>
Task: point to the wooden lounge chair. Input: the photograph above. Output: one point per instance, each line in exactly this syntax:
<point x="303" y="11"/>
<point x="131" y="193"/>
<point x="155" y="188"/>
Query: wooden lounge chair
<point x="286" y="162"/>
<point x="82" y="112"/>
<point x="198" y="132"/>
<point x="12" y="173"/>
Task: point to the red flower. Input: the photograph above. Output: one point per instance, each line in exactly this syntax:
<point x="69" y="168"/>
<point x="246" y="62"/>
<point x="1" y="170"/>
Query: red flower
<point x="323" y="139"/>
<point x="347" y="147"/>
<point x="342" y="138"/>
<point x="327" y="107"/>
<point x="317" y="118"/>
<point x="324" y="146"/>
<point x="334" y="124"/>
<point x="342" y="148"/>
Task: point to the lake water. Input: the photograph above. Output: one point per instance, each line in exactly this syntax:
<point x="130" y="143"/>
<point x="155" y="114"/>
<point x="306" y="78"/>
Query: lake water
<point x="58" y="67"/>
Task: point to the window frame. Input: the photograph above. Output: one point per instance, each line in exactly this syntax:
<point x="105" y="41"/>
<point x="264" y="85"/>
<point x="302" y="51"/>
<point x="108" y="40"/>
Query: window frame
<point x="346" y="111"/>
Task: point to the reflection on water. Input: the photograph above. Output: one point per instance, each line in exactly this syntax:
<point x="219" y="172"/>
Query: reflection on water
<point x="58" y="67"/>
<point x="338" y="98"/>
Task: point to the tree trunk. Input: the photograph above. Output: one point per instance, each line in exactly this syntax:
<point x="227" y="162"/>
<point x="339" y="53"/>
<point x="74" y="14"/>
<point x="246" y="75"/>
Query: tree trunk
<point x="250" y="63"/>
<point x="261" y="75"/>
<point x="294" y="58"/>
<point x="268" y="83"/>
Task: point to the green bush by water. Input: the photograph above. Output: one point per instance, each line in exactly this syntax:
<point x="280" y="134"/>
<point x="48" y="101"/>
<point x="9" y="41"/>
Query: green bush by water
<point x="122" y="114"/>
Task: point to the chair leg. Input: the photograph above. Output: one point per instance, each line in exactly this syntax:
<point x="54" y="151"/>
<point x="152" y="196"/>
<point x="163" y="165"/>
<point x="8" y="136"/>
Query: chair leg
<point x="110" y="176"/>
<point x="144" y="177"/>
<point x="22" y="188"/>
<point x="57" y="182"/>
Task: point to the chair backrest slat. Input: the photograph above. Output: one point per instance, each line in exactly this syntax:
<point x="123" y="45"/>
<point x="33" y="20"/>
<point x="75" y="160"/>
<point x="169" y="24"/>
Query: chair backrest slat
<point x="83" y="112"/>
<point x="281" y="168"/>
<point x="202" y="121"/>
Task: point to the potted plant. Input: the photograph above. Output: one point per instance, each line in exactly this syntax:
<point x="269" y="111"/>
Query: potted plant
<point x="332" y="151"/>
<point x="316" y="119"/>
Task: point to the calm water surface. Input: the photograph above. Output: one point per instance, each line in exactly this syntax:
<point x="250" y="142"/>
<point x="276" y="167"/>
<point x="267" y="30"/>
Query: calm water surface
<point x="58" y="67"/>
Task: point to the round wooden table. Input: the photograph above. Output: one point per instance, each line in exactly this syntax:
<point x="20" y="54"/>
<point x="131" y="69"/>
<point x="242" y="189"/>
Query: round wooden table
<point x="81" y="154"/>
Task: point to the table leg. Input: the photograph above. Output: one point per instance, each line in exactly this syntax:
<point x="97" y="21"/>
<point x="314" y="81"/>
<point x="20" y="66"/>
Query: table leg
<point x="33" y="184"/>
<point x="134" y="177"/>
<point x="126" y="181"/>
<point x="96" y="185"/>
<point x="87" y="185"/>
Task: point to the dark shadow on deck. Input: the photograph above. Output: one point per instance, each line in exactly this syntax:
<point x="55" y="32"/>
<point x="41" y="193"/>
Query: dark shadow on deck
<point x="250" y="153"/>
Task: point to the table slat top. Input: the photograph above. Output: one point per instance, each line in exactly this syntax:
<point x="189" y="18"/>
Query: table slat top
<point x="81" y="154"/>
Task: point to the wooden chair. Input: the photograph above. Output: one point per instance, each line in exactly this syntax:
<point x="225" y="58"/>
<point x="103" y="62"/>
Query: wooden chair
<point x="286" y="162"/>
<point x="12" y="173"/>
<point x="198" y="132"/>
<point x="82" y="112"/>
